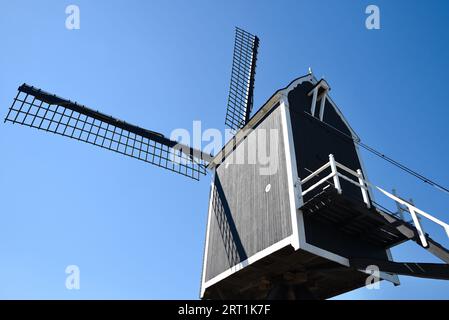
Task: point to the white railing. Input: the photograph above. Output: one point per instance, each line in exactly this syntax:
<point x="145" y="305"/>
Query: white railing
<point x="363" y="185"/>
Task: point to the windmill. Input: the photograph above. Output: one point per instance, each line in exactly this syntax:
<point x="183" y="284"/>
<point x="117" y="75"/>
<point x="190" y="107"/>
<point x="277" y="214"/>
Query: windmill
<point x="307" y="227"/>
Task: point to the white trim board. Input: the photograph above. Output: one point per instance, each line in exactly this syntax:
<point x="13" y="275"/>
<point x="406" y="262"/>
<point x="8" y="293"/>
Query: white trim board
<point x="206" y="245"/>
<point x="292" y="175"/>
<point x="259" y="255"/>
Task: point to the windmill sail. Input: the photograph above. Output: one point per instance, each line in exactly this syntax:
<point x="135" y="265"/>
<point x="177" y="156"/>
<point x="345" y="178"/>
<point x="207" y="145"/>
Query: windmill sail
<point x="38" y="109"/>
<point x="240" y="99"/>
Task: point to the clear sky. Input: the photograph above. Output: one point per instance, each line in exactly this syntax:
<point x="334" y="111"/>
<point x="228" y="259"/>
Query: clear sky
<point x="137" y="231"/>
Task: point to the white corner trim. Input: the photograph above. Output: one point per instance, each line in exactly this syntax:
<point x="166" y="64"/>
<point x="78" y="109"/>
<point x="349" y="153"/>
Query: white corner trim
<point x="257" y="256"/>
<point x="206" y="247"/>
<point x="292" y="174"/>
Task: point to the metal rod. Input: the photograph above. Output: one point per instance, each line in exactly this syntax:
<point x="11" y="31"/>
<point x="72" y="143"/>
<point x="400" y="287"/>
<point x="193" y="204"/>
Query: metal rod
<point x="315" y="173"/>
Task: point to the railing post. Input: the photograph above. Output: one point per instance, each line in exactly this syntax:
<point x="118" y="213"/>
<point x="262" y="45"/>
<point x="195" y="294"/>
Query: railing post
<point x="363" y="187"/>
<point x="414" y="213"/>
<point x="417" y="224"/>
<point x="335" y="173"/>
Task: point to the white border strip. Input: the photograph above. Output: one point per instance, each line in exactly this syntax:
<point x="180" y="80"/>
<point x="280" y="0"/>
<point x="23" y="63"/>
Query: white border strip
<point x="259" y="255"/>
<point x="206" y="247"/>
<point x="292" y="175"/>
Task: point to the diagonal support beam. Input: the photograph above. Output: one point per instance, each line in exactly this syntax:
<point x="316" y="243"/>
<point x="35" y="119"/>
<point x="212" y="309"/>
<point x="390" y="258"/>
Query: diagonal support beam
<point x="421" y="270"/>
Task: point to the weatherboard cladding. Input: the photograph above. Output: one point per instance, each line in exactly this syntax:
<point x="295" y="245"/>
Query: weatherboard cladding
<point x="314" y="141"/>
<point x="244" y="218"/>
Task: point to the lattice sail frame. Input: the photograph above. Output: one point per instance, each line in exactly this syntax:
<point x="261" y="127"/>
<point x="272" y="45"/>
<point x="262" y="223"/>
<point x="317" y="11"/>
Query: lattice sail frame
<point x="240" y="99"/>
<point x="35" y="108"/>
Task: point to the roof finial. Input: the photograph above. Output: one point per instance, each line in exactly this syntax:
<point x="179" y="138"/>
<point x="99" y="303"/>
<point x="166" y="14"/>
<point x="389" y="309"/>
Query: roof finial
<point x="310" y="70"/>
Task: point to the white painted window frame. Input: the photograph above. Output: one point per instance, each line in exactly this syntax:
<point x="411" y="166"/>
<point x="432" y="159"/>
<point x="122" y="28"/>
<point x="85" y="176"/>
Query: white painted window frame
<point x="322" y="84"/>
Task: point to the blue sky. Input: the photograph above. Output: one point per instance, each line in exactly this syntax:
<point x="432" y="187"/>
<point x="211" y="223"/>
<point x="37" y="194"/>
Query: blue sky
<point x="137" y="231"/>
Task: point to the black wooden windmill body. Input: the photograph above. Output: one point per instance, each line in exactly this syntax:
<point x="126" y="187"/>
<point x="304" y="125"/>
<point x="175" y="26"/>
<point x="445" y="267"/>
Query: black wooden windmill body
<point x="305" y="227"/>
